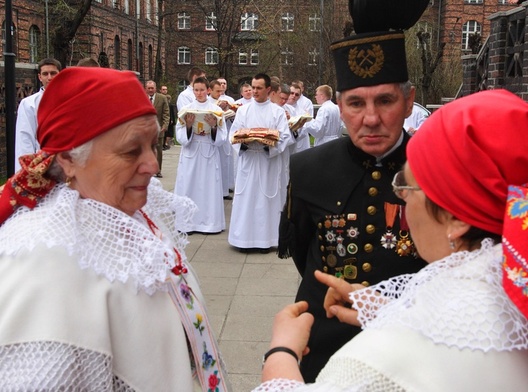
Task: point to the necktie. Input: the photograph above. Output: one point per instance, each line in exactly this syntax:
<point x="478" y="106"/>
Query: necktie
<point x="152" y="99"/>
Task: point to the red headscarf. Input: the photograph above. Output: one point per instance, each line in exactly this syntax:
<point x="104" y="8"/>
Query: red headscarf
<point x="78" y="104"/>
<point x="465" y="156"/>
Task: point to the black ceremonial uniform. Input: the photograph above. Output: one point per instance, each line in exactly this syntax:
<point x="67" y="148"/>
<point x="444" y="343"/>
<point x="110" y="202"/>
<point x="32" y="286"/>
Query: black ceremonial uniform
<point x="335" y="221"/>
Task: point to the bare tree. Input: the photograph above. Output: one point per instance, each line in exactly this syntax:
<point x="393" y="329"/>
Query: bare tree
<point x="66" y="16"/>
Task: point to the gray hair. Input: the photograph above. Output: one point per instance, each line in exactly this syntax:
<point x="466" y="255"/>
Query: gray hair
<point x="79" y="155"/>
<point x="405" y="88"/>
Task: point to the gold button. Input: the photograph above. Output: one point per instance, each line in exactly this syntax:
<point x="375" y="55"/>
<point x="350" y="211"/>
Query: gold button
<point x="320" y="238"/>
<point x="373" y="191"/>
<point x="368" y="248"/>
<point x="325" y="269"/>
<point x="319" y="225"/>
<point x="370" y="229"/>
<point x="371" y="210"/>
<point x="376" y="175"/>
<point x="365" y="283"/>
<point x="338" y="203"/>
<point x="367" y="267"/>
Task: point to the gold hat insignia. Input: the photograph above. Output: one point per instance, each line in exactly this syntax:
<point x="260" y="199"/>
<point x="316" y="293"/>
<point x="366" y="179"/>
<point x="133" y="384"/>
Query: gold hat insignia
<point x="366" y="63"/>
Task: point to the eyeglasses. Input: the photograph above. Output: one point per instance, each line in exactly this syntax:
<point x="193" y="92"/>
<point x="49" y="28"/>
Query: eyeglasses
<point x="296" y="94"/>
<point x="399" y="187"/>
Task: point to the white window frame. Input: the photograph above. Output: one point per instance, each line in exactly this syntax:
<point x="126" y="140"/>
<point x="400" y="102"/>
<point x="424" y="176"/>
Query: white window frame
<point x="248" y="21"/>
<point x="184" y="21"/>
<point x="211" y="56"/>
<point x="34" y="43"/>
<point x="182" y="85"/>
<point x="254" y="57"/>
<point x="473" y="1"/>
<point x="148" y="11"/>
<point x="313" y="56"/>
<point x="470" y="27"/>
<point x="314" y="22"/>
<point x="287" y="21"/>
<point x="210" y="21"/>
<point x="287" y="56"/>
<point x="184" y="55"/>
<point x="242" y="57"/>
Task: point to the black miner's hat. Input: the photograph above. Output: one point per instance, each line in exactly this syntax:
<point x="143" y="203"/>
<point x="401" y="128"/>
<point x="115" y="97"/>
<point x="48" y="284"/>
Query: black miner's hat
<point x="376" y="55"/>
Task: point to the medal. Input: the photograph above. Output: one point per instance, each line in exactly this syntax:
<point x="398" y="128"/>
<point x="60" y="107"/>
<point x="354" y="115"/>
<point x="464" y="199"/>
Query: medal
<point x="341" y="250"/>
<point x="389" y="240"/>
<point x="405" y="246"/>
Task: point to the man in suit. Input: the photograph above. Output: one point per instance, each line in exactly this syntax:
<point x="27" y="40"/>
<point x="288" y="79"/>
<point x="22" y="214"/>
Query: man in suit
<point x="348" y="223"/>
<point x="169" y="135"/>
<point x="162" y="107"/>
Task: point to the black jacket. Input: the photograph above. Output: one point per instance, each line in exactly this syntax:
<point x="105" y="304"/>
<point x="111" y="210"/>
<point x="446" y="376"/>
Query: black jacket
<point x="333" y="221"/>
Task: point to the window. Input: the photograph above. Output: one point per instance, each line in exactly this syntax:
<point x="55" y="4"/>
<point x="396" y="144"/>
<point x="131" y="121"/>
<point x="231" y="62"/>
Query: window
<point x="287" y="22"/>
<point x="211" y="56"/>
<point x="314" y="22"/>
<point x="150" y="61"/>
<point x="473" y="1"/>
<point x="182" y="85"/>
<point x="34" y="44"/>
<point x="248" y="21"/>
<point x="242" y="57"/>
<point x="141" y="59"/>
<point x="254" y="57"/>
<point x="469" y="28"/>
<point x="184" y="21"/>
<point x="287" y="56"/>
<point x="148" y="10"/>
<point x="117" y="52"/>
<point x="115" y="4"/>
<point x="425" y="29"/>
<point x="210" y="21"/>
<point x="313" y="56"/>
<point x="184" y="55"/>
<point x="130" y="54"/>
<point x="127" y="7"/>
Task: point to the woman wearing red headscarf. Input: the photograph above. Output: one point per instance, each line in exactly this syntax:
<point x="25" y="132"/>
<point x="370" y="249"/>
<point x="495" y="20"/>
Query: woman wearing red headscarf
<point x="459" y="324"/>
<point x="95" y="292"/>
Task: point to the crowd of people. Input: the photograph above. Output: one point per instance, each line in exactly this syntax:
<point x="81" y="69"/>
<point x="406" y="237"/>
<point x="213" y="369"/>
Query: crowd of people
<point x="411" y="245"/>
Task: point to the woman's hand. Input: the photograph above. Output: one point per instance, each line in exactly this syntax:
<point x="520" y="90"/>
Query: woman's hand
<point x="291" y="328"/>
<point x="337" y="300"/>
<point x="189" y="119"/>
<point x="211" y="120"/>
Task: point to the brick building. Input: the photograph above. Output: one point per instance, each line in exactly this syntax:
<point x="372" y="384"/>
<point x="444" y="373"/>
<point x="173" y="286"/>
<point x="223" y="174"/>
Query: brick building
<point x="121" y="34"/>
<point x="237" y="39"/>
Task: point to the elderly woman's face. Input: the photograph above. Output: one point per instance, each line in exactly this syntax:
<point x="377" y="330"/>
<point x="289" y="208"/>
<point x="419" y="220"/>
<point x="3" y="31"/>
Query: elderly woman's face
<point x="120" y="166"/>
<point x="429" y="235"/>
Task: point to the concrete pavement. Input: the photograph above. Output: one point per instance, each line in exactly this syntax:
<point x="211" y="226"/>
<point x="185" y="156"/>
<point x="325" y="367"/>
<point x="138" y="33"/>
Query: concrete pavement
<point x="243" y="292"/>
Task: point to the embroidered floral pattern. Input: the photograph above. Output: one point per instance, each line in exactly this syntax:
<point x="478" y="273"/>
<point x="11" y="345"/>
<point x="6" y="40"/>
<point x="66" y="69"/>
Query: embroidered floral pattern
<point x="207" y="359"/>
<point x="515" y="248"/>
<point x="198" y="323"/>
<point x="213" y="382"/>
<point x="186" y="294"/>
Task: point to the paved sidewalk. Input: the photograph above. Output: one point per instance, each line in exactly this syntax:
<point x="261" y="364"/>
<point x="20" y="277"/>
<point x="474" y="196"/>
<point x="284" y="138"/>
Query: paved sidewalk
<point x="243" y="292"/>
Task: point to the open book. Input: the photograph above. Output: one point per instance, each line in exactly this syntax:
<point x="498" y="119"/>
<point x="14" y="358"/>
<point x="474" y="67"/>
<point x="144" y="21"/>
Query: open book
<point x="295" y="121"/>
<point x="200" y="126"/>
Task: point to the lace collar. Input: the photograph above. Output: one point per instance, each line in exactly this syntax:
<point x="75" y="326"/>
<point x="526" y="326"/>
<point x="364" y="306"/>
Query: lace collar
<point x="457" y="301"/>
<point x="113" y="244"/>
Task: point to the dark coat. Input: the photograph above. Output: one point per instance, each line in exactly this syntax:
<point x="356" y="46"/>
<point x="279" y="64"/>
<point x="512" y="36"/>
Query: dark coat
<point x="333" y="221"/>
